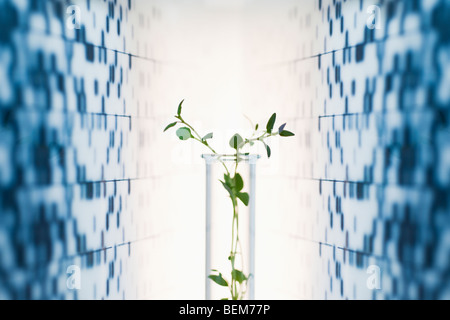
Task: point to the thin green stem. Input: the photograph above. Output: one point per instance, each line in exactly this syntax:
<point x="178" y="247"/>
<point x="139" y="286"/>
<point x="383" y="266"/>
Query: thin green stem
<point x="236" y="289"/>
<point x="200" y="139"/>
<point x="239" y="281"/>
<point x="261" y="138"/>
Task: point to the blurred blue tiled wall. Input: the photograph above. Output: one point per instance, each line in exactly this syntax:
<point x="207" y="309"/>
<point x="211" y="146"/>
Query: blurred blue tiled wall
<point x="75" y="110"/>
<point x="371" y="104"/>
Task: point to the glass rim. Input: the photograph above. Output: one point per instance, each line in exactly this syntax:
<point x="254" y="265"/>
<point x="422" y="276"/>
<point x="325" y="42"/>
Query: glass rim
<point x="252" y="158"/>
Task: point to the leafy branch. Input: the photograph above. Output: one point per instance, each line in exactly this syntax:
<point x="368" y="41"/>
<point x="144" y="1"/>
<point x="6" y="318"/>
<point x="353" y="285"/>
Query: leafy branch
<point x="233" y="183"/>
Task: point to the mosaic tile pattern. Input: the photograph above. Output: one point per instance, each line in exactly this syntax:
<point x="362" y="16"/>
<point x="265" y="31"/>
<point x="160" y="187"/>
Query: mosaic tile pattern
<point x="373" y="169"/>
<point x="75" y="107"/>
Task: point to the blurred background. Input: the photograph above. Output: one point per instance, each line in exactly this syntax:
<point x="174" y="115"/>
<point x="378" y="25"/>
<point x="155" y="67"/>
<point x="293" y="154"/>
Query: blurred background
<point x="97" y="203"/>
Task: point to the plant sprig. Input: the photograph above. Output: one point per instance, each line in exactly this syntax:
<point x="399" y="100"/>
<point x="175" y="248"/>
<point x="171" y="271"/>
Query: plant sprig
<point x="234" y="185"/>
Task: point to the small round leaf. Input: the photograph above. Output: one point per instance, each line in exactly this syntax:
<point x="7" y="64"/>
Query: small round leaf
<point x="184" y="133"/>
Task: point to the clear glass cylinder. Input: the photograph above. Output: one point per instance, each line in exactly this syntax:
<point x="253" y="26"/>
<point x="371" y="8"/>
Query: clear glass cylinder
<point x="230" y="226"/>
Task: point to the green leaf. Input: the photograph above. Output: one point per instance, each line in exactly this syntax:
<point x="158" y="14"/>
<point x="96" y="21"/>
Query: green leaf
<point x="271" y="123"/>
<point x="184" y="133"/>
<point x="208" y="136"/>
<point x="238" y="276"/>
<point x="223" y="299"/>
<point x="238" y="182"/>
<point x="257" y="127"/>
<point x="180" y="108"/>
<point x="269" y="151"/>
<point x="228" y="180"/>
<point x="219" y="280"/>
<point x="236" y="141"/>
<point x="280" y="130"/>
<point x="170" y="126"/>
<point x="244" y="197"/>
<point x="286" y="133"/>
<point x="228" y="189"/>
